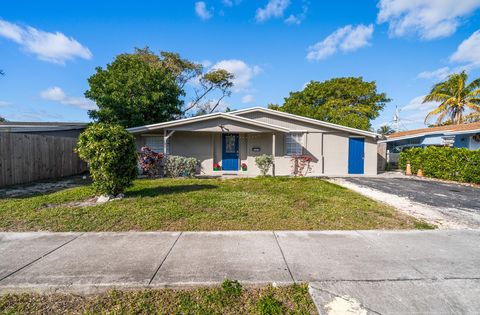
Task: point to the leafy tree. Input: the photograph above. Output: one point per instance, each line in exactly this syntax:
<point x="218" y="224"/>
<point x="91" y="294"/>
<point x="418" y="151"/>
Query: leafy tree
<point x="217" y="79"/>
<point x="134" y="91"/>
<point x="111" y="155"/>
<point x="347" y="101"/>
<point x="143" y="88"/>
<point x="2" y="119"/>
<point x="385" y="130"/>
<point x="456" y="97"/>
<point x="205" y="83"/>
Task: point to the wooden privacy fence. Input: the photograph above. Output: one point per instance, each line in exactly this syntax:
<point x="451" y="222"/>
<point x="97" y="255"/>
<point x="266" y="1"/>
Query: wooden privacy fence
<point x="26" y="158"/>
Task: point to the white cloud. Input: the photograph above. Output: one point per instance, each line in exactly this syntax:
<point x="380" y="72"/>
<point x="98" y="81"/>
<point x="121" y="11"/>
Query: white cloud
<point x="469" y="51"/>
<point x="5" y="104"/>
<point x="247" y="98"/>
<point x="293" y="20"/>
<point x="51" y="47"/>
<point x="273" y="9"/>
<point x="428" y="18"/>
<point x="467" y="57"/>
<point x="231" y="3"/>
<point x="417" y="104"/>
<point x="206" y="63"/>
<point x="56" y="94"/>
<point x="242" y="71"/>
<point x="346" y="39"/>
<point x="202" y="11"/>
<point x="439" y="74"/>
<point x="415" y="111"/>
<point x="297" y="19"/>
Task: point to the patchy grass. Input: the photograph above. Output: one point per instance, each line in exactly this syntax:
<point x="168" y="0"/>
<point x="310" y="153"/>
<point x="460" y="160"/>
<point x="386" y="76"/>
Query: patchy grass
<point x="206" y="204"/>
<point x="219" y="300"/>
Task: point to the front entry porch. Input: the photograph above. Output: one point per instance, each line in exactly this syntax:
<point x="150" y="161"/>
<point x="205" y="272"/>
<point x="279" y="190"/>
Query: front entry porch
<point x="234" y="154"/>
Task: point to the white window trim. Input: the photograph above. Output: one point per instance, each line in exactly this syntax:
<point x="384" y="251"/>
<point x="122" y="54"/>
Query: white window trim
<point x="302" y="143"/>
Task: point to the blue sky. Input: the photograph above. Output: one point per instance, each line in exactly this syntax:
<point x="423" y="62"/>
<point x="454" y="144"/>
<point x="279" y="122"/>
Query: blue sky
<point x="48" y="49"/>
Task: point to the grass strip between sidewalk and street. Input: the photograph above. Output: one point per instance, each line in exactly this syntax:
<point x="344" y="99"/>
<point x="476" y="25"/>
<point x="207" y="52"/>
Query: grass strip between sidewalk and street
<point x="229" y="298"/>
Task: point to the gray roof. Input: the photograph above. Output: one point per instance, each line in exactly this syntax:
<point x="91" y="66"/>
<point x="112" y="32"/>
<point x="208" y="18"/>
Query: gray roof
<point x="20" y="126"/>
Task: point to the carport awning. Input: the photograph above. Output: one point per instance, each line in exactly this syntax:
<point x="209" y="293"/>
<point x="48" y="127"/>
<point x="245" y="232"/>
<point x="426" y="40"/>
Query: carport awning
<point x="433" y="141"/>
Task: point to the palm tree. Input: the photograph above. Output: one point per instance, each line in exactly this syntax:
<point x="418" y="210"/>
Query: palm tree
<point x="385" y="130"/>
<point x="455" y="97"/>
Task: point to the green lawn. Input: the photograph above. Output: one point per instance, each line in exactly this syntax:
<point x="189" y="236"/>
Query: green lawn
<point x="230" y="298"/>
<point x="206" y="204"/>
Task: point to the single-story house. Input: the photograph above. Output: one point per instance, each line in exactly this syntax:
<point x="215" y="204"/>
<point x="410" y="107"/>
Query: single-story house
<point x="456" y="136"/>
<point x="235" y="138"/>
<point x="56" y="129"/>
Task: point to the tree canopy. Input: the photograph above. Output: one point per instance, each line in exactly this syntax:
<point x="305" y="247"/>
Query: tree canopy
<point x="346" y="101"/>
<point x="456" y="98"/>
<point x="144" y="88"/>
<point x="132" y="91"/>
<point x="385" y="130"/>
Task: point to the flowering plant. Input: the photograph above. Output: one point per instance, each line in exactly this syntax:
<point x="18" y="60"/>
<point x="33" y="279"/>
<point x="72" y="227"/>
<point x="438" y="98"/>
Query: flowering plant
<point x="216" y="167"/>
<point x="151" y="162"/>
<point x="301" y="163"/>
<point x="244" y="166"/>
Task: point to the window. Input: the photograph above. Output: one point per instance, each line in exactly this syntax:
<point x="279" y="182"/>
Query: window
<point x="294" y="143"/>
<point x="155" y="143"/>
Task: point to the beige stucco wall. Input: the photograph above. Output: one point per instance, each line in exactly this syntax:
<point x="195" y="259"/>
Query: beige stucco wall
<point x="371" y="159"/>
<point x="330" y="158"/>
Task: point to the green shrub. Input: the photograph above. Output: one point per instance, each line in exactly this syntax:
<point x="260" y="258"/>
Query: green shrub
<point x="269" y="305"/>
<point x="111" y="155"/>
<point x="177" y="166"/>
<point x="457" y="164"/>
<point x="264" y="162"/>
<point x="232" y="288"/>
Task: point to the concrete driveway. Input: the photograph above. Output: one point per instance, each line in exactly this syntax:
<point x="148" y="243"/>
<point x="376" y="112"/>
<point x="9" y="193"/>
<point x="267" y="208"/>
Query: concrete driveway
<point x="387" y="272"/>
<point x="444" y="204"/>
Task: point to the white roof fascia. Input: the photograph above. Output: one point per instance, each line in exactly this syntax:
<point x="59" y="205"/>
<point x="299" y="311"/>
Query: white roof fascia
<point x="203" y="118"/>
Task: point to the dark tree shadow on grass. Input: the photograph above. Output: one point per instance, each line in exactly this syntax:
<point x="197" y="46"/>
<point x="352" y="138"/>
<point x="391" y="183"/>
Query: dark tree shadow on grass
<point x="167" y="190"/>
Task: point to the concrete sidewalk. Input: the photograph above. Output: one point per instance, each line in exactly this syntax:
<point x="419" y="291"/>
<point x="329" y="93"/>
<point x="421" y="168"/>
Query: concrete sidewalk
<point x="353" y="266"/>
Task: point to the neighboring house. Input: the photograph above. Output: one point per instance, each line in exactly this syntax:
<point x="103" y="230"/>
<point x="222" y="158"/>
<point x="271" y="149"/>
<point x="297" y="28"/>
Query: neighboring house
<point x="231" y="139"/>
<point x="457" y="136"/>
<point x="58" y="129"/>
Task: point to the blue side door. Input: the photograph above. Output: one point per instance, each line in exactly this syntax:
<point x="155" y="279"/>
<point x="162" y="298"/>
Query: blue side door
<point x="230" y="152"/>
<point x="356" y="155"/>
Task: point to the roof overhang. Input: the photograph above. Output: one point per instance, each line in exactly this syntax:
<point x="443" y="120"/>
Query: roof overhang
<point x="191" y="120"/>
<point x="307" y="120"/>
<point x="433" y="133"/>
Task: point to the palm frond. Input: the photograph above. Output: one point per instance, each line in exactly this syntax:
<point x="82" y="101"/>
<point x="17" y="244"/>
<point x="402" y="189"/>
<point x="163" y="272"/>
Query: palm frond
<point x="436" y="97"/>
<point x="441" y="117"/>
<point x="440" y="109"/>
<point x="473" y="106"/>
<point x="474" y="85"/>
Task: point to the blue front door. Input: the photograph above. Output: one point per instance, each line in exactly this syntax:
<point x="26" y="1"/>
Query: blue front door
<point x="356" y="155"/>
<point x="230" y="152"/>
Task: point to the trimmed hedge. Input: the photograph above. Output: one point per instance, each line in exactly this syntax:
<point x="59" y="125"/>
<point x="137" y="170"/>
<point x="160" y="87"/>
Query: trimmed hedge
<point x="458" y="164"/>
